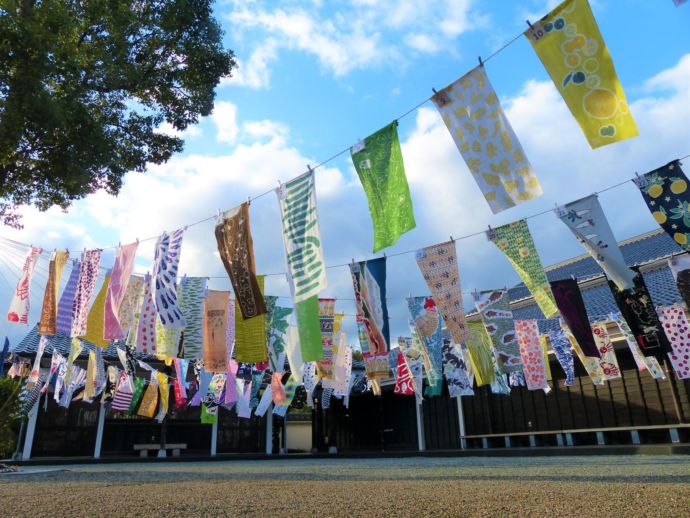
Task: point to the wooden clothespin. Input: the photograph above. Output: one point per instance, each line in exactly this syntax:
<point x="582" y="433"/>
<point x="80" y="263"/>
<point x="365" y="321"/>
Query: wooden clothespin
<point x="481" y="63"/>
<point x="529" y="23"/>
<point x="249" y="200"/>
<point x="309" y="169"/>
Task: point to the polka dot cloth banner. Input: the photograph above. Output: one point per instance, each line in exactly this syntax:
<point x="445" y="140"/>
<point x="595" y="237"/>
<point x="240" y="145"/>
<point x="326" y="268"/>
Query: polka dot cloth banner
<point x="665" y="191"/>
<point x="677" y="330"/>
<point x="532" y="354"/>
<point x="474" y="117"/>
<point x="571" y="48"/>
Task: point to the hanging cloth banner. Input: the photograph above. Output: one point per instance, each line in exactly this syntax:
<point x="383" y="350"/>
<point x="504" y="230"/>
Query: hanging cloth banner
<point x="586" y="219"/>
<point x="88" y="274"/>
<point x="94" y="320"/>
<point x="231" y="374"/>
<point x="404" y="383"/>
<point x="128" y="316"/>
<point x="572" y="307"/>
<point x="570" y="46"/>
<point x="377" y="369"/>
<point x="515" y="241"/>
<point x="123" y="394"/>
<point x="35" y="370"/>
<point x="167" y="340"/>
<point x="644" y="363"/>
<point x="90" y="386"/>
<point x="564" y="354"/>
<point x="527" y="332"/>
<point x="277" y="330"/>
<point x="290" y="390"/>
<point x="48" y="323"/>
<point x="137" y="393"/>
<point x="77" y="378"/>
<point x="455" y="371"/>
<point x="236" y="247"/>
<point x="677" y="331"/>
<point x="164" y="279"/>
<point x="119" y="281"/>
<point x="343" y="369"/>
<point x="191" y="294"/>
<point x="473" y="115"/>
<point x="163" y="395"/>
<point x="264" y="402"/>
<point x="294" y="353"/>
<point x="64" y="311"/>
<point x="56" y="362"/>
<point x="638" y="311"/>
<point x="379" y="164"/>
<point x="428" y="324"/>
<point x="494" y="308"/>
<point x="309" y="329"/>
<point x="250" y="333"/>
<point x="369" y="280"/>
<point x="680" y="267"/>
<point x="75" y="350"/>
<point x="590" y="363"/>
<point x="302" y="237"/>
<point x="665" y="191"/>
<point x="439" y="267"/>
<point x="112" y="375"/>
<point x="244" y="388"/>
<point x="324" y="367"/>
<point x="146" y="329"/>
<point x="179" y="382"/>
<point x="415" y="363"/>
<point x="481" y="354"/>
<point x="149" y="401"/>
<point x="608" y="361"/>
<point x="19" y="307"/>
<point x="215" y="331"/>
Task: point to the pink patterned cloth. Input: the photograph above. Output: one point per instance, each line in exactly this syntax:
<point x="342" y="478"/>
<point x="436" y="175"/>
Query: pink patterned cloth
<point x="146" y="331"/>
<point x="608" y="360"/>
<point x="85" y="286"/>
<point x="532" y="354"/>
<point x="677" y="331"/>
<point x="19" y="307"/>
<point x="119" y="280"/>
<point x="404" y="383"/>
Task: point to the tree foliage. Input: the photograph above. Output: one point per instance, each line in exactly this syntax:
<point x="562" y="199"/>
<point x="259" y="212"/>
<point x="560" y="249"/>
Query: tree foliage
<point x="9" y="415"/>
<point x="84" y="85"/>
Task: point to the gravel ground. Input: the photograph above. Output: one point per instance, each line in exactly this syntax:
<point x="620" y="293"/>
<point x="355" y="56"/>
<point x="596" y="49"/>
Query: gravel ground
<point x="471" y="486"/>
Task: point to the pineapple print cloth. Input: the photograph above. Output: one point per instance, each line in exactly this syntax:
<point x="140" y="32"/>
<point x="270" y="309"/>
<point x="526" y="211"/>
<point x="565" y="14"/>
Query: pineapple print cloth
<point x="379" y="164"/>
<point x="586" y="219"/>
<point x="515" y="240"/>
<point x="665" y="191"/>
<point x="570" y="46"/>
<point x="439" y="266"/>
<point x="481" y="131"/>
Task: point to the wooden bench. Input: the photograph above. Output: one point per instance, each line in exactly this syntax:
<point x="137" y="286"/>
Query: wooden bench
<point x="144" y="449"/>
<point x="565" y="437"/>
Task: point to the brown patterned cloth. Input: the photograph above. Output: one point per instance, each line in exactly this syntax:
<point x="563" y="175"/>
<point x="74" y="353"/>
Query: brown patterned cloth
<point x="48" y="323"/>
<point x="236" y="248"/>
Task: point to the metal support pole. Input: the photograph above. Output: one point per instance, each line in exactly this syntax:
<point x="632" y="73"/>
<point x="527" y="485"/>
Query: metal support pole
<point x="99" y="432"/>
<point x="214" y="437"/>
<point x="421" y="442"/>
<point x="31" y="429"/>
<point x="461" y="424"/>
<point x="269" y="429"/>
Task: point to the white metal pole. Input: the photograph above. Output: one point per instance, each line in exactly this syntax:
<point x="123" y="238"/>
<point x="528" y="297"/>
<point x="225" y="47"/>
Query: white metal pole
<point x="99" y="432"/>
<point x="461" y="423"/>
<point x="30" y="429"/>
<point x="421" y="443"/>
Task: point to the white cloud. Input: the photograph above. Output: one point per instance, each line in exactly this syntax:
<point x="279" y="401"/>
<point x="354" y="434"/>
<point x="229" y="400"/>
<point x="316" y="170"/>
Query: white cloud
<point x="253" y="73"/>
<point x="224" y="116"/>
<point x="191" y="131"/>
<point x="365" y="34"/>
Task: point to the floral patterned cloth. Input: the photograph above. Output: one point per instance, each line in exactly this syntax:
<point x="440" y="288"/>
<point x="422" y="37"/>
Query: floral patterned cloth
<point x="439" y="267"/>
<point x="19" y="306"/>
<point x="88" y="274"/>
<point x="515" y="241"/>
<point x="473" y="115"/>
<point x="608" y="361"/>
<point x="677" y="330"/>
<point x="571" y="48"/>
<point x="532" y="354"/>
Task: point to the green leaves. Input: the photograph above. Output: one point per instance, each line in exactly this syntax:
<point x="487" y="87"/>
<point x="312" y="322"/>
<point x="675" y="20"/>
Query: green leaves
<point x="84" y="85"/>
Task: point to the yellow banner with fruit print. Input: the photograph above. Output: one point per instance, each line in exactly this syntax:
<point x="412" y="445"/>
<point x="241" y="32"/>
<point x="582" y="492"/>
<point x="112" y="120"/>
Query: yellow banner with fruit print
<point x="473" y="115"/>
<point x="570" y="46"/>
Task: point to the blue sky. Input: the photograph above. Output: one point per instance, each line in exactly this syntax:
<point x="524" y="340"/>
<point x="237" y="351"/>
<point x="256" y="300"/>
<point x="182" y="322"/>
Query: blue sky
<point x="317" y="76"/>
